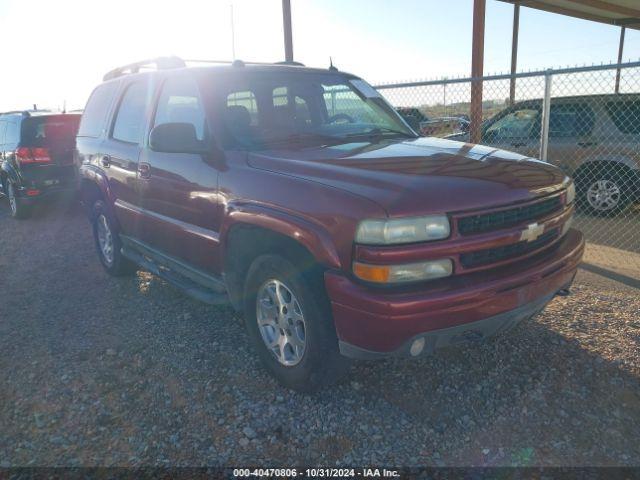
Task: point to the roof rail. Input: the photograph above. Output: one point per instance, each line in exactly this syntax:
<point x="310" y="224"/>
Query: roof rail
<point x="290" y="62"/>
<point x="161" y="63"/>
<point x="236" y="62"/>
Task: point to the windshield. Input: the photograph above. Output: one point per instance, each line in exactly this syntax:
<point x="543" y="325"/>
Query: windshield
<point x="265" y="110"/>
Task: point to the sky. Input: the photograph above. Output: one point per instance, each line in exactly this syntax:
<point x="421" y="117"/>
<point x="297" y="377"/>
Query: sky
<point x="54" y="52"/>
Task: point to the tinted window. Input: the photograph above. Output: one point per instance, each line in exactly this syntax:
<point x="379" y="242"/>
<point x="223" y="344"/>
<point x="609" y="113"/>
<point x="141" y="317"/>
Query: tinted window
<point x="570" y="120"/>
<point x="11" y="134"/>
<point x="626" y="115"/>
<point x="49" y="130"/>
<point x="97" y="109"/>
<point x="3" y="127"/>
<point x="129" y="124"/>
<point x="523" y="123"/>
<point x="245" y="100"/>
<point x="180" y="103"/>
<point x="289" y="108"/>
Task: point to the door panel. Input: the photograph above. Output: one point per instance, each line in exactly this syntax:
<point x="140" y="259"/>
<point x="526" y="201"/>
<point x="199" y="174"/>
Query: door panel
<point x="180" y="206"/>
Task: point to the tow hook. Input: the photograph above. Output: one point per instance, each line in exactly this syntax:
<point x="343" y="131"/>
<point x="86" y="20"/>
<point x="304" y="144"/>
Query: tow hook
<point x="563" y="292"/>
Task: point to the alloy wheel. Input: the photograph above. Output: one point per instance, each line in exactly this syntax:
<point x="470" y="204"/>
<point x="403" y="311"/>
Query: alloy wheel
<point x="13" y="202"/>
<point x="281" y="322"/>
<point x="603" y="195"/>
<point x="105" y="239"/>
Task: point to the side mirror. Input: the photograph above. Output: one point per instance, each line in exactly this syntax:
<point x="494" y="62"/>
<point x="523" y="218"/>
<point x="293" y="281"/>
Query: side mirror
<point x="175" y="138"/>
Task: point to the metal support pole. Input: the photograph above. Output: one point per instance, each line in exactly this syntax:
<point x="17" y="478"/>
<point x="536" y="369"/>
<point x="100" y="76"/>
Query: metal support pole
<point x="288" y="37"/>
<point x="514" y="53"/>
<point x="546" y="113"/>
<point x="477" y="69"/>
<point x="620" y="51"/>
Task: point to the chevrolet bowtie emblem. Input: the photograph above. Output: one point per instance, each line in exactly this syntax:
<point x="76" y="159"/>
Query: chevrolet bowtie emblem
<point x="532" y="232"/>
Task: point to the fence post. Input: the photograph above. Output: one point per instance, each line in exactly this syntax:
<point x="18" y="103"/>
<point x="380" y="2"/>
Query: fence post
<point x="546" y="113"/>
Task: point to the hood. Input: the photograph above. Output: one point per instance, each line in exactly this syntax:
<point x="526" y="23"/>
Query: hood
<point x="419" y="176"/>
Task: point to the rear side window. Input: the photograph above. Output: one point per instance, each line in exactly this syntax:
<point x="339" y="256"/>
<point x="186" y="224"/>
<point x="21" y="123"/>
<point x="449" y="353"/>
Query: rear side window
<point x="180" y="103"/>
<point x="11" y="135"/>
<point x="571" y="120"/>
<point x="97" y="109"/>
<point x="49" y="130"/>
<point x="130" y="119"/>
<point x="626" y="115"/>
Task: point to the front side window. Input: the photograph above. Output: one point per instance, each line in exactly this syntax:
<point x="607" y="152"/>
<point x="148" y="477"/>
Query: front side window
<point x="625" y="115"/>
<point x="130" y="119"/>
<point x="519" y="124"/>
<point x="180" y="103"/>
<point x="262" y="110"/>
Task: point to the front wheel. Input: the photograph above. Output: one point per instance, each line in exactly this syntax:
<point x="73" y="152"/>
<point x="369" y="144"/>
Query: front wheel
<point x="604" y="191"/>
<point x="18" y="209"/>
<point x="290" y="325"/>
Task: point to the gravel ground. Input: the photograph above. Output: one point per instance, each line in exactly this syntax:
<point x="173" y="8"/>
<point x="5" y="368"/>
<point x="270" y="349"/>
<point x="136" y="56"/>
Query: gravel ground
<point x="102" y="371"/>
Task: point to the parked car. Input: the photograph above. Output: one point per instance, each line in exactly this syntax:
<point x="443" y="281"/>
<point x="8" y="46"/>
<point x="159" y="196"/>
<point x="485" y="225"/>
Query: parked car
<point x="413" y="116"/>
<point x="36" y="157"/>
<point x="337" y="231"/>
<point x="593" y="138"/>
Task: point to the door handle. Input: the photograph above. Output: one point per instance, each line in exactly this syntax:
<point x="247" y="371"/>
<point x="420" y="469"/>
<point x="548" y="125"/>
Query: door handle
<point x="105" y="161"/>
<point x="587" y="144"/>
<point x="144" y="170"/>
<point x="518" y="144"/>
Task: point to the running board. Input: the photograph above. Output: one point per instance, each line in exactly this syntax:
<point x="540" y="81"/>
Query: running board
<point x="210" y="290"/>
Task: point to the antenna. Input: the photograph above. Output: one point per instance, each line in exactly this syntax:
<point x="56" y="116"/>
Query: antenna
<point x="64" y="106"/>
<point x="233" y="35"/>
<point x="331" y="67"/>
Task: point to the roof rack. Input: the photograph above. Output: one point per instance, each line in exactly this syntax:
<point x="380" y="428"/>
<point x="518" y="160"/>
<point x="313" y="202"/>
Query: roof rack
<point x="161" y="63"/>
<point x="290" y="62"/>
<point x="236" y="62"/>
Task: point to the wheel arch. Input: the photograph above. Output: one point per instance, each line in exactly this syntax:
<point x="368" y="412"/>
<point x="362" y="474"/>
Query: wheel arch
<point x="254" y="231"/>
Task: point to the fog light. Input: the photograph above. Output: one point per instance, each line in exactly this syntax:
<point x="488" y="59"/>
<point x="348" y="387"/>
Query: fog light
<point x="416" y="347"/>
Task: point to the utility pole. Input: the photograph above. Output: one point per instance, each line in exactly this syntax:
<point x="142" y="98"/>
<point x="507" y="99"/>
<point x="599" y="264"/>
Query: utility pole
<point x="288" y="37"/>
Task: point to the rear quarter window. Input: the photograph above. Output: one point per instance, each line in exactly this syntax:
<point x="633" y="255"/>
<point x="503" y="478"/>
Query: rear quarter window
<point x="626" y="115"/>
<point x="95" y="113"/>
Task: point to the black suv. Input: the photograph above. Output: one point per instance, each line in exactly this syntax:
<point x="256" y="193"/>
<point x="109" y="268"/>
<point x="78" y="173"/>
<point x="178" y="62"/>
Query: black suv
<point x="36" y="157"/>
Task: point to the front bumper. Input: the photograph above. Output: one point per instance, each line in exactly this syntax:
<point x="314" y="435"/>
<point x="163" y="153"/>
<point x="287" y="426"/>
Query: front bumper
<point x="374" y="322"/>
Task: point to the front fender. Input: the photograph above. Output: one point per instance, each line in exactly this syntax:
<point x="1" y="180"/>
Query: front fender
<point x="310" y="235"/>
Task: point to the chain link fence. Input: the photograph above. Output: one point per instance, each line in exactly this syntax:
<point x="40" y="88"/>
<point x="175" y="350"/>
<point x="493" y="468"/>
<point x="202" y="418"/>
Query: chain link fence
<point x="584" y="120"/>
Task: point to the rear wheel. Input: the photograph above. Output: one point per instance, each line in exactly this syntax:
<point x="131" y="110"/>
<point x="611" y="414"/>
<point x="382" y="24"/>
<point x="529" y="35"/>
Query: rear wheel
<point x="290" y="325"/>
<point x="108" y="242"/>
<point x="604" y="190"/>
<point x="18" y="209"/>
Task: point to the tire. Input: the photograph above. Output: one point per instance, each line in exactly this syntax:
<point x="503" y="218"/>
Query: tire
<point x="108" y="243"/>
<point x="315" y="364"/>
<point x="18" y="209"/>
<point x="604" y="191"/>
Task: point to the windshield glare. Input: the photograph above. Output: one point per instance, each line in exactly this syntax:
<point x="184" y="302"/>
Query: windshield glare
<point x="306" y="108"/>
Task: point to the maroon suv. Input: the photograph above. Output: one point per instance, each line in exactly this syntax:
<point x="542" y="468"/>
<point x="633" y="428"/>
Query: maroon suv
<point x="300" y="196"/>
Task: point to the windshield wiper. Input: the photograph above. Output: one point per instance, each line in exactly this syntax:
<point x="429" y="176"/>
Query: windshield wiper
<point x="301" y="137"/>
<point x="378" y="132"/>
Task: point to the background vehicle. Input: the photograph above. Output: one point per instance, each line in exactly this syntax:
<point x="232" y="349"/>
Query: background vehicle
<point x="436" y="126"/>
<point x="36" y="157"/>
<point x="300" y="196"/>
<point x="592" y="138"/>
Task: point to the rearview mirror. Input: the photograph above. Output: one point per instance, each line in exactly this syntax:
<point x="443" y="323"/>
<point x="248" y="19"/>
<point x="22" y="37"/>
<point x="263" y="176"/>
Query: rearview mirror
<point x="175" y="138"/>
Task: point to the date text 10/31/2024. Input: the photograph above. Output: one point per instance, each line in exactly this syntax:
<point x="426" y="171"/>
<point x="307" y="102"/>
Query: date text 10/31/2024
<point x="316" y="472"/>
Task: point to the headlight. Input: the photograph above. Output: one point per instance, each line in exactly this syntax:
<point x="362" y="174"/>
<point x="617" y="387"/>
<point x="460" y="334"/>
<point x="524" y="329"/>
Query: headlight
<point x="409" y="272"/>
<point x="571" y="193"/>
<point x="403" y="230"/>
